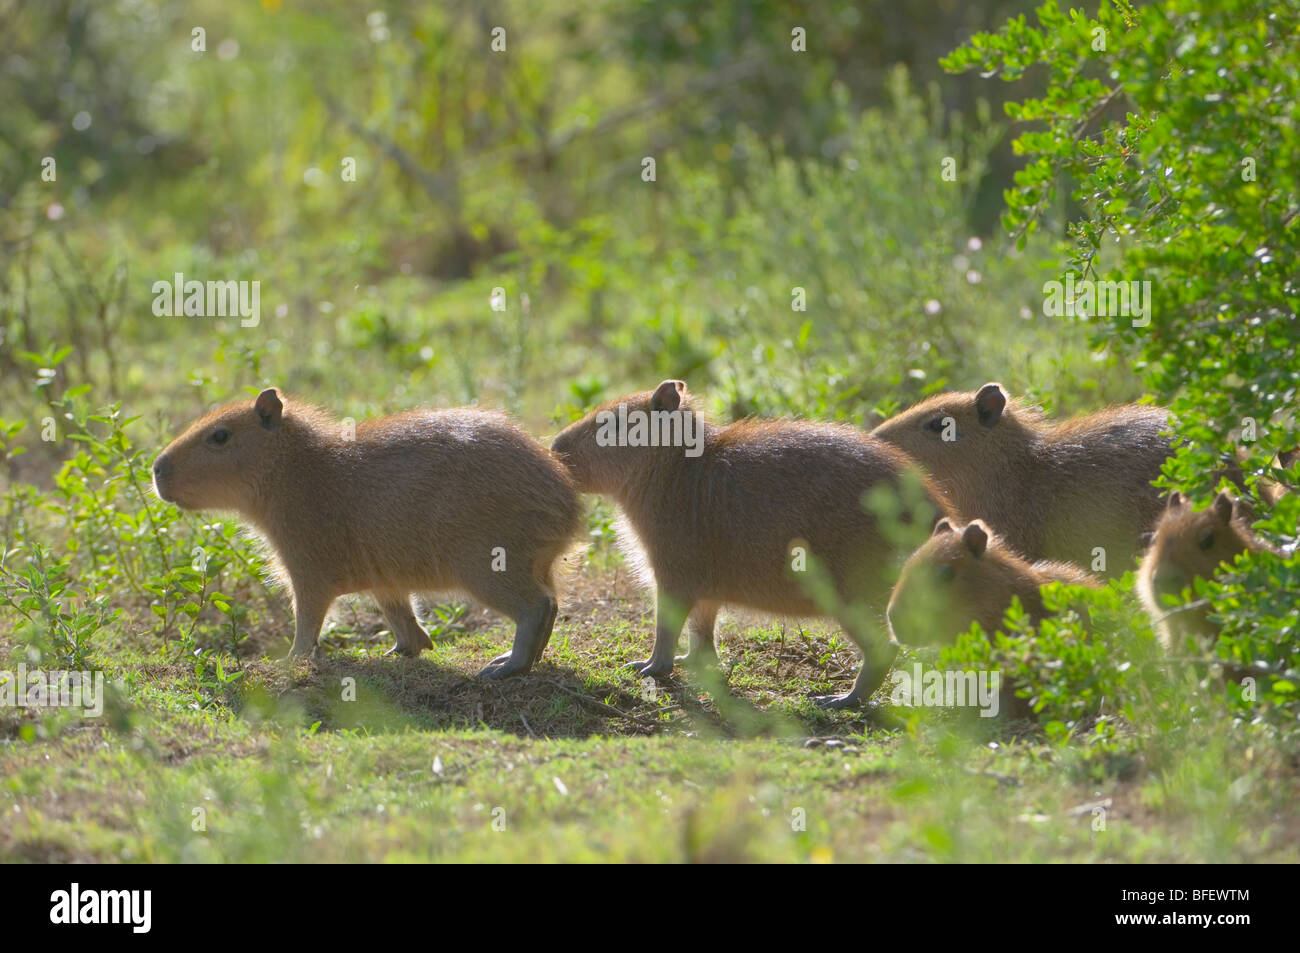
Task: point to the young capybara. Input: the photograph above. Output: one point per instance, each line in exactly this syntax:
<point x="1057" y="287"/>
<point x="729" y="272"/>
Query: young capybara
<point x="1051" y="490"/>
<point x="423" y="501"/>
<point x="965" y="574"/>
<point x="720" y="514"/>
<point x="1191" y="544"/>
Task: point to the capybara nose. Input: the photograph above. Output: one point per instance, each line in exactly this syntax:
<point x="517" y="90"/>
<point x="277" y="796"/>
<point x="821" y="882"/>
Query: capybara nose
<point x="161" y="466"/>
<point x="1169" y="580"/>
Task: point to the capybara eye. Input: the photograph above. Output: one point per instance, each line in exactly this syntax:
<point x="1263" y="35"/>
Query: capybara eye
<point x="219" y="436"/>
<point x="934" y="425"/>
<point x="1206" y="541"/>
<point x="945" y="572"/>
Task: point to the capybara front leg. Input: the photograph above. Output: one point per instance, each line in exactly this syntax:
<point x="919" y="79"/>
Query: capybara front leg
<point x="406" y="628"/>
<point x="309" y="610"/>
<point x="878" y="655"/>
<point x="671" y="612"/>
<point x="699" y="632"/>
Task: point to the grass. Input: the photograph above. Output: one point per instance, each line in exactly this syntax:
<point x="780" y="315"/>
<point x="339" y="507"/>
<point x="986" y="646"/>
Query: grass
<point x="211" y="751"/>
<point x="577" y="762"/>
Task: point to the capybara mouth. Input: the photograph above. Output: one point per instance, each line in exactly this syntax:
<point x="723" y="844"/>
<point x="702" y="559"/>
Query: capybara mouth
<point x="163" y="492"/>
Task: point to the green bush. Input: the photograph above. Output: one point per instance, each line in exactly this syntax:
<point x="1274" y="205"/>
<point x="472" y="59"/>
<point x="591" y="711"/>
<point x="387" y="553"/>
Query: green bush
<point x="1172" y="125"/>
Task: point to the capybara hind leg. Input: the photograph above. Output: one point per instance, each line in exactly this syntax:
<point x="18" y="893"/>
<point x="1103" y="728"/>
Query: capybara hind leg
<point x="406" y="628"/>
<point x="699" y="631"/>
<point x="671" y="613"/>
<point x="878" y="654"/>
<point x="548" y="626"/>
<point x="532" y="632"/>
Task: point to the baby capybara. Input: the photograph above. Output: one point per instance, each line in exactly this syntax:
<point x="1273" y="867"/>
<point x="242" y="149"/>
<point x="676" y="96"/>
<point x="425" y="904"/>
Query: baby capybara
<point x="719" y="513"/>
<point x="1187" y="545"/>
<point x="1051" y="490"/>
<point x="965" y="574"/>
<point x="423" y="501"/>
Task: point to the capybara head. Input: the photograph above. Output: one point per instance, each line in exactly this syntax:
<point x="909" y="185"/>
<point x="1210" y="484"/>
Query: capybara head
<point x="965" y="574"/>
<point x="1190" y="544"/>
<point x="957" y="428"/>
<point x="950" y="582"/>
<point x="219" y="462"/>
<point x="623" y="437"/>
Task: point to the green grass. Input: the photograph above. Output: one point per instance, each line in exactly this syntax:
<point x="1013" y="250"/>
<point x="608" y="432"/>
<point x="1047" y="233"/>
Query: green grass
<point x="576" y="763"/>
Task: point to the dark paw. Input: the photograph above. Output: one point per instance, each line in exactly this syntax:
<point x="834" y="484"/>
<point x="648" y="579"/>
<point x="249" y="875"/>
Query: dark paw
<point x="503" y="666"/>
<point x="837" y="702"/>
<point x="647" y="669"/>
<point x="408" y="651"/>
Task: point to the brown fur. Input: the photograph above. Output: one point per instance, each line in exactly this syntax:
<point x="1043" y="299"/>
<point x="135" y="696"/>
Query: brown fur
<point x="1051" y="490"/>
<point x="416" y="502"/>
<point x="1270" y="490"/>
<point x="719" y="528"/>
<point x="964" y="574"/>
<point x="1188" y="545"/>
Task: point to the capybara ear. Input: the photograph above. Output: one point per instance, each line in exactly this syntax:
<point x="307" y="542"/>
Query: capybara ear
<point x="1175" y="501"/>
<point x="976" y="538"/>
<point x="1223" y="508"/>
<point x="943" y="526"/>
<point x="989" y="403"/>
<point x="1288" y="457"/>
<point x="268" y="407"/>
<point x="668" y="395"/>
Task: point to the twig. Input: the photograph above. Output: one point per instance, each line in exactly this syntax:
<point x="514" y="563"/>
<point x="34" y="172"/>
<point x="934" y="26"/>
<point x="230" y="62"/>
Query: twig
<point x="610" y="708"/>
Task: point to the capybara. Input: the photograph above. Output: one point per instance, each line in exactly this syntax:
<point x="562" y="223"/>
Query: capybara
<point x="1191" y="544"/>
<point x="425" y="501"/>
<point x="1051" y="490"/>
<point x="1270" y="490"/>
<point x="720" y="514"/>
<point x="964" y="574"/>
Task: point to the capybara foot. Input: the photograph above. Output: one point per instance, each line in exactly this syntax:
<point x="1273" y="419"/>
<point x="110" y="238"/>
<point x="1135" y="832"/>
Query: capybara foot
<point x="647" y="668"/>
<point x="409" y="651"/>
<point x="503" y="666"/>
<point x="411" y="645"/>
<point x="837" y="702"/>
<point x="698" y="661"/>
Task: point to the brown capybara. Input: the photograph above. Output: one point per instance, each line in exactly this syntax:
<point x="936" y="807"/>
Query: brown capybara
<point x="1051" y="490"/>
<point x="720" y="514"/>
<point x="425" y="501"/>
<point x="964" y="574"/>
<point x="1271" y="490"/>
<point x="1187" y="545"/>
